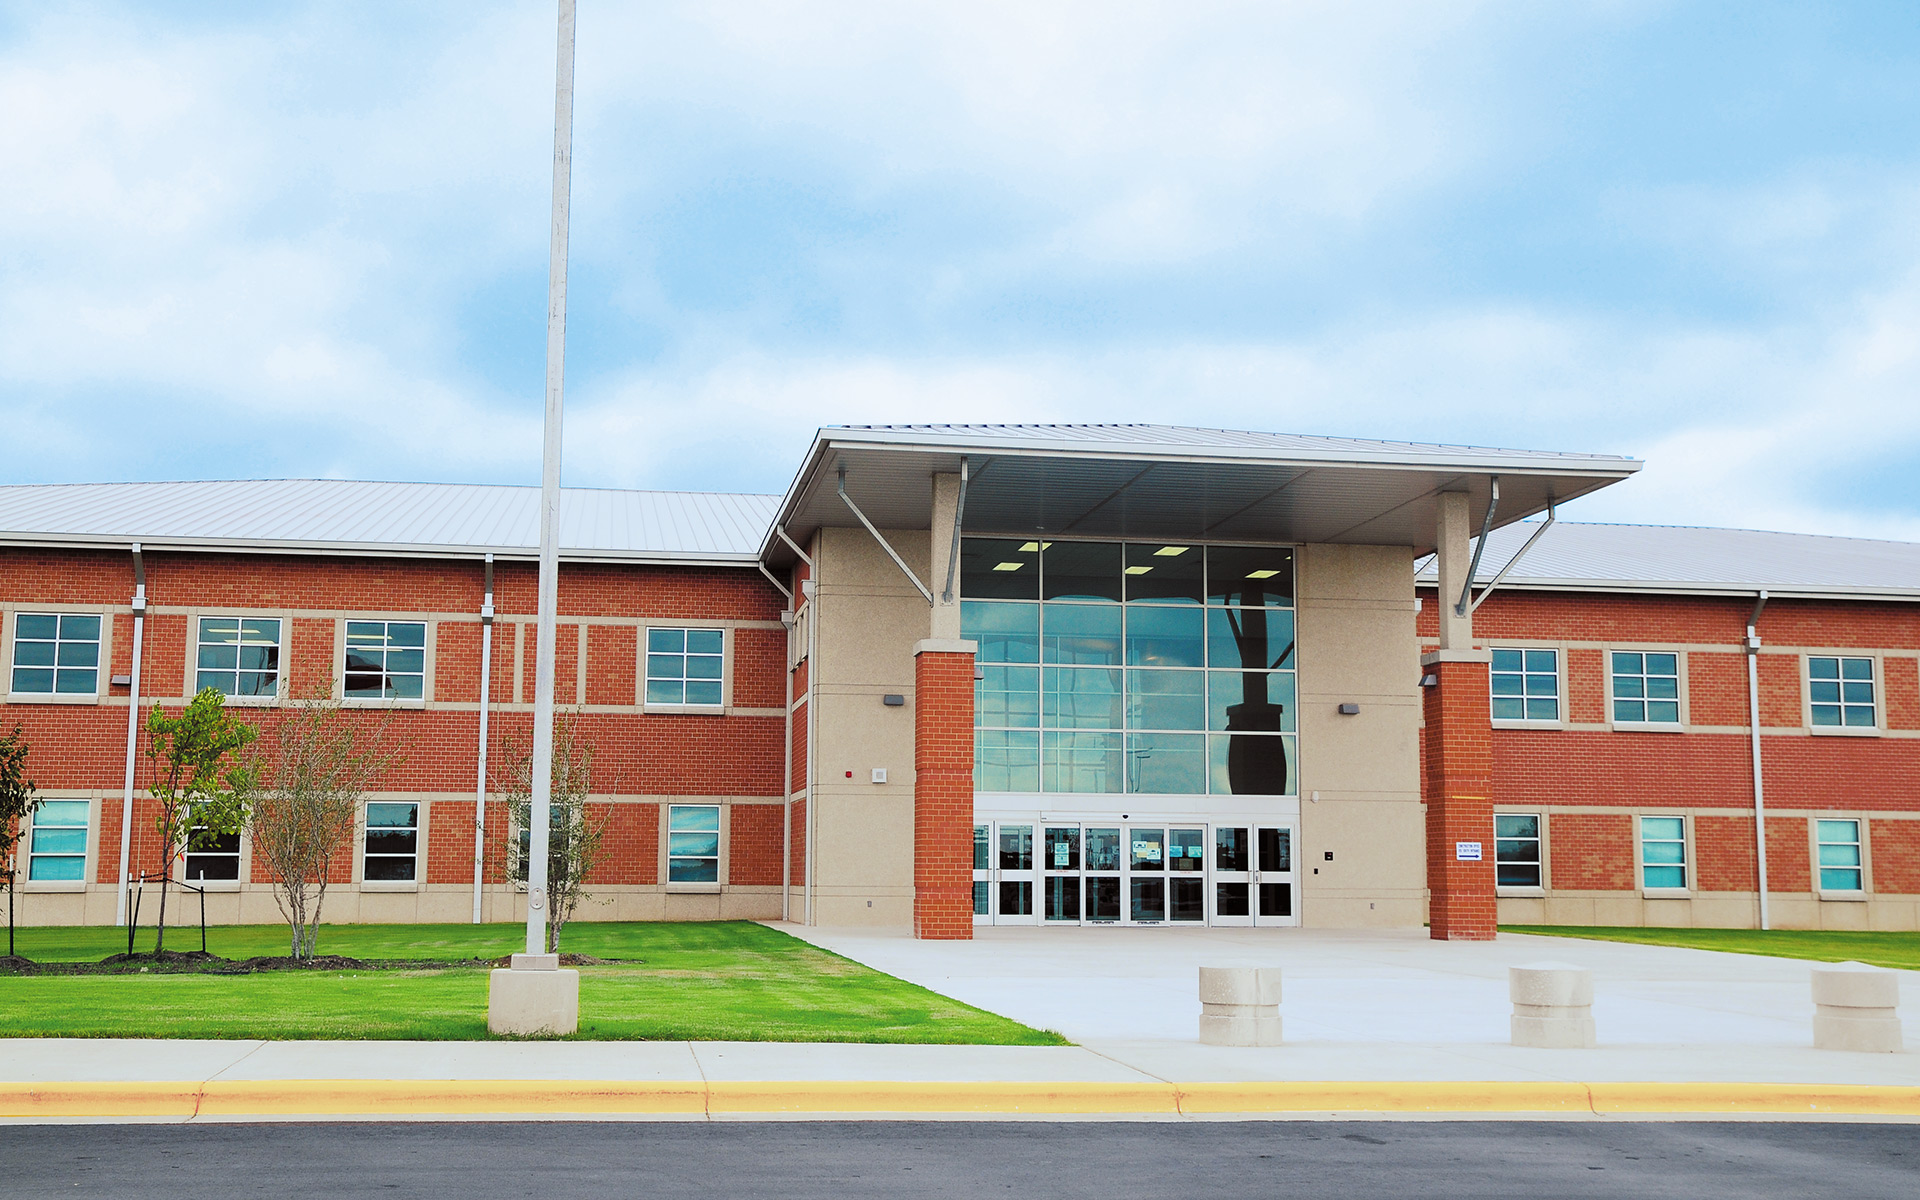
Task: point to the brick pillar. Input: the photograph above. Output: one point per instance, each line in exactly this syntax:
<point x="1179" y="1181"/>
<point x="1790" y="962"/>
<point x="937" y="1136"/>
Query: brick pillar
<point x="1459" y="750"/>
<point x="943" y="790"/>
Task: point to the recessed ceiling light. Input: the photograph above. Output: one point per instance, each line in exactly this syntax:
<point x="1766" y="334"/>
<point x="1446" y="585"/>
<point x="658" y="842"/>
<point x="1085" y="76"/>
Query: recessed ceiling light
<point x="1034" y="547"/>
<point x="1138" y="570"/>
<point x="1171" y="551"/>
<point x="1010" y="566"/>
<point x="1261" y="574"/>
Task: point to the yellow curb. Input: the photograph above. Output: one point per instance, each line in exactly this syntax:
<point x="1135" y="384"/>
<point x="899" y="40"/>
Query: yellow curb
<point x="172" y="1098"/>
<point x="1383" y="1096"/>
<point x="1784" y="1098"/>
<point x="952" y="1097"/>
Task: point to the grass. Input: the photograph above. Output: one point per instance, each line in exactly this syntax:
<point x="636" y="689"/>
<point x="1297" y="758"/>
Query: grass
<point x="1879" y="948"/>
<point x="721" y="981"/>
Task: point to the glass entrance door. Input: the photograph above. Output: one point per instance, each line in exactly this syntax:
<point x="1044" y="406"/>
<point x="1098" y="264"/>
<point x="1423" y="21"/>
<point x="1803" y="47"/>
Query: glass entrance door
<point x="983" y="874"/>
<point x="1273" y="875"/>
<point x="1253" y="876"/>
<point x="1060" y="874"/>
<point x="1101" y="880"/>
<point x="1232" y="875"/>
<point x="1013" y="874"/>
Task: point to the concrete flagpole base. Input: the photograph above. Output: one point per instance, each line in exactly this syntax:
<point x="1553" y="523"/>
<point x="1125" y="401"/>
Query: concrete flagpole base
<point x="533" y="998"/>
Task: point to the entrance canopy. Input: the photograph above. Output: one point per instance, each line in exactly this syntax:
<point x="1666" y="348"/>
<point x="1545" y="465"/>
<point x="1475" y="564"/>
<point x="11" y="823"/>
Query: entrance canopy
<point x="1150" y="481"/>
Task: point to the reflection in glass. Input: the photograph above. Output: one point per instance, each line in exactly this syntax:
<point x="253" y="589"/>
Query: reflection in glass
<point x="1166" y="763"/>
<point x="1005" y="632"/>
<point x="1252" y="764"/>
<point x="1081" y="634"/>
<point x="1082" y="571"/>
<point x="1061" y="850"/>
<point x="1081" y="762"/>
<point x="1253" y="639"/>
<point x="1229" y="848"/>
<point x="1103" y="898"/>
<point x="1187" y="900"/>
<point x="1164" y="573"/>
<point x="1276" y="849"/>
<point x="1007" y="696"/>
<point x="999" y="569"/>
<point x="1257" y="576"/>
<point x="1148" y="849"/>
<point x="1016" y="898"/>
<point x="1149" y="899"/>
<point x="1166" y="637"/>
<point x="1186" y="850"/>
<point x="1062" y="898"/>
<point x="1016" y="847"/>
<point x="1006" y="760"/>
<point x="981" y="891"/>
<point x="1276" y="899"/>
<point x="982" y="849"/>
<point x="1081" y="698"/>
<point x="1103" y="849"/>
<point x="1250" y="701"/>
<point x="1230" y="899"/>
<point x="1166" y="700"/>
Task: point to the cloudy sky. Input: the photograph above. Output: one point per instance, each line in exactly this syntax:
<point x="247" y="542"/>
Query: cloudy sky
<point x="242" y="240"/>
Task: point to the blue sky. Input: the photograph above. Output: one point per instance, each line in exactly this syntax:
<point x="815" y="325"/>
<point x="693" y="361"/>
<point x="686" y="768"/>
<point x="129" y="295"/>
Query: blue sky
<point x="242" y="240"/>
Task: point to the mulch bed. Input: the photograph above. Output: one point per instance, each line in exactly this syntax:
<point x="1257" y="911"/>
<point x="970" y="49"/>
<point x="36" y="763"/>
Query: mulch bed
<point x="196" y="962"/>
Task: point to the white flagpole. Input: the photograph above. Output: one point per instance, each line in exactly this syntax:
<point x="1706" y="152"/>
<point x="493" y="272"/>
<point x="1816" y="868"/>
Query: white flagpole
<point x="540" y="818"/>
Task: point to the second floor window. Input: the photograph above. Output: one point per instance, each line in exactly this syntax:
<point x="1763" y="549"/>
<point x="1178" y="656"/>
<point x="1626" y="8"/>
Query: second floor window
<point x="239" y="656"/>
<point x="683" y="666"/>
<point x="386" y="660"/>
<point x="56" y="654"/>
<point x="1526" y="685"/>
<point x="1646" y="688"/>
<point x="1840" y="692"/>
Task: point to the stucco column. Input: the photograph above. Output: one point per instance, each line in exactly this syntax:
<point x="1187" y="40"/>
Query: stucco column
<point x="943" y="789"/>
<point x="1459" y="753"/>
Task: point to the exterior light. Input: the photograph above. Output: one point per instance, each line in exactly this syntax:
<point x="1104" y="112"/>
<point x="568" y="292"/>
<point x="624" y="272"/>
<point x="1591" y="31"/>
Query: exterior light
<point x="1171" y="551"/>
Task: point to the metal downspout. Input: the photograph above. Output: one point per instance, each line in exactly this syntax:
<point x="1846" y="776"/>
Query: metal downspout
<point x="480" y="767"/>
<point x="1752" y="648"/>
<point x="786" y="774"/>
<point x="133" y="732"/>
<point x="813" y="764"/>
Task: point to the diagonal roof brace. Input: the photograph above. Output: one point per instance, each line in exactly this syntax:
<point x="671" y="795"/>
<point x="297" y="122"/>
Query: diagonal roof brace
<point x="1460" y="608"/>
<point x="1512" y="562"/>
<point x="884" y="544"/>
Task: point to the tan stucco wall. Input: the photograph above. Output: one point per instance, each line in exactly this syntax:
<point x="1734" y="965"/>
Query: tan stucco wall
<point x="870" y="617"/>
<point x="1355" y="627"/>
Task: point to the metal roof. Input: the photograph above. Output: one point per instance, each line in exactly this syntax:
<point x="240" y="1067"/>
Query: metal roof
<point x="1168" y="481"/>
<point x="1577" y="556"/>
<point x="346" y="516"/>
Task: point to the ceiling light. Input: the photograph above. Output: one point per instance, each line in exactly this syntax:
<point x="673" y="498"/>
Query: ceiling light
<point x="1009" y="566"/>
<point x="1034" y="547"/>
<point x="1261" y="574"/>
<point x="1138" y="570"/>
<point x="1171" y="551"/>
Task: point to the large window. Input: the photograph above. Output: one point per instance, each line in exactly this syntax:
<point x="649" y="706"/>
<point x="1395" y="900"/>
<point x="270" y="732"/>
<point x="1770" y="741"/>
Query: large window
<point x="57" y="842"/>
<point x="386" y="660"/>
<point x="1646" y="688"/>
<point x="56" y="654"/>
<point x="1839" y="853"/>
<point x="393" y="842"/>
<point x="1840" y="692"/>
<point x="683" y="666"/>
<point x="1526" y="685"/>
<point x="693" y="843"/>
<point x="212" y="856"/>
<point x="1516" y="850"/>
<point x="1140" y="667"/>
<point x="1663" y="852"/>
<point x="239" y="656"/>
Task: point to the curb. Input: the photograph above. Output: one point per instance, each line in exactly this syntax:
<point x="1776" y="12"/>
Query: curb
<point x="185" y="1100"/>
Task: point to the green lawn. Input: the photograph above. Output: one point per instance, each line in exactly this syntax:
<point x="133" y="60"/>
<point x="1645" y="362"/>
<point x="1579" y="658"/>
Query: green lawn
<point x="733" y="981"/>
<point x="1881" y="949"/>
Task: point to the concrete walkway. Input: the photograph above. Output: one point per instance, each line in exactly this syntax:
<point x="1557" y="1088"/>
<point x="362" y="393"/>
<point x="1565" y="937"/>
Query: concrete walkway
<point x="1376" y="1022"/>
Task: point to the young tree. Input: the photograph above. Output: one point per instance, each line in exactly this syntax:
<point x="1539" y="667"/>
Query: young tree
<point x="16" y="801"/>
<point x="311" y="775"/>
<point x="573" y="842"/>
<point x="202" y="787"/>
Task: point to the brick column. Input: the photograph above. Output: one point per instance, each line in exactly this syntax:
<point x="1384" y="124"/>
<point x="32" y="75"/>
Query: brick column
<point x="943" y="790"/>
<point x="1459" y="751"/>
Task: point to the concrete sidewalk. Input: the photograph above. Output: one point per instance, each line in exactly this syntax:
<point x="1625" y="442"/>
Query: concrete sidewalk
<point x="1375" y="1023"/>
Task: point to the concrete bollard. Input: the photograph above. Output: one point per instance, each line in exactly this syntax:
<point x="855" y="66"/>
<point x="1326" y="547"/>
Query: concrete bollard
<point x="1552" y="1005"/>
<point x="533" y="998"/>
<point x="1240" y="1006"/>
<point x="1856" y="1007"/>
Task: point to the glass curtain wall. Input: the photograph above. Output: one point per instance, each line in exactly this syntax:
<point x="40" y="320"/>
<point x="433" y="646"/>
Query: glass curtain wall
<point x="1149" y="668"/>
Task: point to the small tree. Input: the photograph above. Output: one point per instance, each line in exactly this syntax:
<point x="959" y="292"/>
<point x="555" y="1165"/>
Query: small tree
<point x="312" y="774"/>
<point x="16" y="801"/>
<point x="202" y="789"/>
<point x="573" y="840"/>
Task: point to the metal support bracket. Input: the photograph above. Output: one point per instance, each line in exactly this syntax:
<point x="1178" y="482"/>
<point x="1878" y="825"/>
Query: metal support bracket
<point x="1460" y="608"/>
<point x="1512" y="562"/>
<point x="486" y="605"/>
<point x="776" y="583"/>
<point x="953" y="548"/>
<point x="884" y="545"/>
<point x="780" y="531"/>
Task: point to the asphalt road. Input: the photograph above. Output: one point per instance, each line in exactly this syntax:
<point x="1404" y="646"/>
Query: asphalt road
<point x="832" y="1161"/>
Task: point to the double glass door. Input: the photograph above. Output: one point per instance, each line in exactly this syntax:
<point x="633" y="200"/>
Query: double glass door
<point x="1125" y="873"/>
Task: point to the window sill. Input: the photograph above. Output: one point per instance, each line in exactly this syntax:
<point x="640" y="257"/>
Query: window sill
<point x="1520" y="893"/>
<point x="51" y="698"/>
<point x="1666" y="893"/>
<point x="29" y="886"/>
<point x="694" y="888"/>
<point x="360" y="703"/>
<point x="1647" y="727"/>
<point x="1503" y="724"/>
<point x="253" y="702"/>
<point x="389" y="885"/>
<point x="707" y="710"/>
<point x="1842" y="731"/>
<point x="206" y="885"/>
<point x="1843" y="897"/>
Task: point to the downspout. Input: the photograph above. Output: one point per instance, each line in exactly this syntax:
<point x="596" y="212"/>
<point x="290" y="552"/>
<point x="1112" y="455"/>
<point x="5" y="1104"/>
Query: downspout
<point x="812" y="587"/>
<point x="1752" y="647"/>
<point x="133" y="731"/>
<point x="786" y="762"/>
<point x="480" y="768"/>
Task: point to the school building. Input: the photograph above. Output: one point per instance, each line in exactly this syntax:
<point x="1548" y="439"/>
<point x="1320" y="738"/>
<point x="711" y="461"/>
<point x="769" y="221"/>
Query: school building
<point x="1043" y="674"/>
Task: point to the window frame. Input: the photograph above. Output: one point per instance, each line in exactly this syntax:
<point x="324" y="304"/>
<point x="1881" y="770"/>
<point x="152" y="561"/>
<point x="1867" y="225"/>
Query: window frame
<point x="1842" y="895"/>
<point x="1559" y="683"/>
<point x="722" y="826"/>
<point x="1680" y="688"/>
<point x="1540" y="853"/>
<point x="242" y="857"/>
<point x="1686" y="863"/>
<point x="726" y="669"/>
<point x="24" y="856"/>
<point x="1878" y="681"/>
<point x="192" y="676"/>
<point x="419" y="854"/>
<point x="429" y="640"/>
<point x="102" y="671"/>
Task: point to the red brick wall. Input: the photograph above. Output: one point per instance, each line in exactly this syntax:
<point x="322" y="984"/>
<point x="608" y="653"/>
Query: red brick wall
<point x="1586" y="685"/>
<point x="753" y="844"/>
<point x="1590" y="851"/>
<point x="629" y="846"/>
<point x="943" y="796"/>
<point x="1896" y="856"/>
<point x="1903" y="692"/>
<point x="1724" y="846"/>
<point x="1459" y="803"/>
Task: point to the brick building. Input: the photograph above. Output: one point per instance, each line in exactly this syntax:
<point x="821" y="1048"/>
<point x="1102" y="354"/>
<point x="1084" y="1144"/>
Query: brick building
<point x="1009" y="674"/>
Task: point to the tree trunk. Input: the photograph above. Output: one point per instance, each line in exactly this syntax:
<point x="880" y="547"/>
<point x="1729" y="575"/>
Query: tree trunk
<point x="160" y="926"/>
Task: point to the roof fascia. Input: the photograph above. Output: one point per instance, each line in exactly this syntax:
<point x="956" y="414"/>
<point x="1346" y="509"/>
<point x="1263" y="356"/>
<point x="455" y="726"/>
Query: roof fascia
<point x="370" y="550"/>
<point x="1741" y="590"/>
